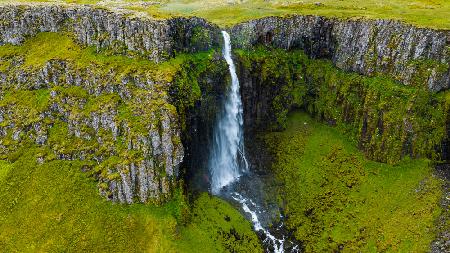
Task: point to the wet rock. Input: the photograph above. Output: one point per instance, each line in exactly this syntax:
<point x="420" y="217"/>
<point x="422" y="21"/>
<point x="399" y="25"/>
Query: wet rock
<point x="442" y="241"/>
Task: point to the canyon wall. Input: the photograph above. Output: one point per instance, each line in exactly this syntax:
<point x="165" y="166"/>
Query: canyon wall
<point x="139" y="120"/>
<point x="387" y="121"/>
<point x="121" y="124"/>
<point x="408" y="54"/>
<point x="411" y="55"/>
<point x="129" y="120"/>
<point x="122" y="32"/>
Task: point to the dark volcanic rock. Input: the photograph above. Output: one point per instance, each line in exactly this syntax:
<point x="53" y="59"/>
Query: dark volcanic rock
<point x="155" y="39"/>
<point x="403" y="52"/>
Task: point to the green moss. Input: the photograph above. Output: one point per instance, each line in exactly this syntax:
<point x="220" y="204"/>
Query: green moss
<point x="186" y="90"/>
<point x="62" y="142"/>
<point x="72" y="91"/>
<point x="102" y="103"/>
<point x="27" y="105"/>
<point x="281" y="76"/>
<point x="336" y="199"/>
<point x="387" y="120"/>
<point x="227" y="229"/>
<point x="47" y="46"/>
<point x="426" y="68"/>
<point x="55" y="206"/>
<point x="5" y="167"/>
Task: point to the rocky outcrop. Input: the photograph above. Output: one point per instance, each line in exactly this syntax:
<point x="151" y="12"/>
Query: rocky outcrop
<point x="130" y="126"/>
<point x="121" y="124"/>
<point x="411" y="55"/>
<point x="387" y="120"/>
<point x="156" y="39"/>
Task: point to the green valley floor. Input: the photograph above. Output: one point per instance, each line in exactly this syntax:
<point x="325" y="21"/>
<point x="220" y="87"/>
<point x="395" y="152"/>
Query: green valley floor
<point x="333" y="197"/>
<point x="336" y="200"/>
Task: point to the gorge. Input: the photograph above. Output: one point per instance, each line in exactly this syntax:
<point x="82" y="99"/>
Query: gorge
<point x="344" y="122"/>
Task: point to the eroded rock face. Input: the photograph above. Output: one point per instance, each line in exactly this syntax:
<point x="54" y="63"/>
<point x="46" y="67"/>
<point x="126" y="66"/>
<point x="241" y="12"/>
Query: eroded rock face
<point x="122" y="125"/>
<point x="411" y="55"/>
<point x="388" y="121"/>
<point x="406" y="53"/>
<point x="126" y="124"/>
<point x="155" y="39"/>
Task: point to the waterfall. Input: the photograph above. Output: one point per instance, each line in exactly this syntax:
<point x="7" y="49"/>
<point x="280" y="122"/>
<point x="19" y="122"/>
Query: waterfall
<point x="227" y="161"/>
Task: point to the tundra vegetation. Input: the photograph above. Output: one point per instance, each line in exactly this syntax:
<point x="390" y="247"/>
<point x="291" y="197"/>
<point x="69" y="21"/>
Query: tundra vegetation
<point x="50" y="204"/>
<point x="423" y="13"/>
<point x="353" y="154"/>
<point x="336" y="199"/>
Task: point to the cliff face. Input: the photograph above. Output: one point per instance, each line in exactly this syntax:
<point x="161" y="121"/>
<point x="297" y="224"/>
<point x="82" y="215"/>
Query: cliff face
<point x="411" y="55"/>
<point x="122" y="123"/>
<point x="386" y="120"/>
<point x="120" y="116"/>
<point x="135" y="122"/>
<point x="155" y="39"/>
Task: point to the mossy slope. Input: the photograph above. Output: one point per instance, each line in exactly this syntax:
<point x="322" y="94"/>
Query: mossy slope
<point x="76" y="120"/>
<point x="336" y="200"/>
<point x="111" y="110"/>
<point x="55" y="206"/>
<point x="386" y="119"/>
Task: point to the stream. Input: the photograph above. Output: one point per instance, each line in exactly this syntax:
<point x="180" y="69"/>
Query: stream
<point x="231" y="176"/>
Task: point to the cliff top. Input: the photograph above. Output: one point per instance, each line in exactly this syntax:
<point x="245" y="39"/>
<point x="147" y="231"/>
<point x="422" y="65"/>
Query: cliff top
<point x="422" y="13"/>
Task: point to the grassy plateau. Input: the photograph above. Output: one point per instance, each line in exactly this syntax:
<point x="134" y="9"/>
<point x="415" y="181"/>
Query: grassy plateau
<point x="424" y="13"/>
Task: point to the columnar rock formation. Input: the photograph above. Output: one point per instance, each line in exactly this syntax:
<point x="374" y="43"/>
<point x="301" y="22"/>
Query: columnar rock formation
<point x="129" y="125"/>
<point x="369" y="47"/>
<point x="123" y="123"/>
<point x="403" y="52"/>
<point x="156" y="39"/>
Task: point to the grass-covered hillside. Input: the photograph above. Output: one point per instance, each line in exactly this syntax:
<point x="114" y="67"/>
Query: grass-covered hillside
<point x="55" y="206"/>
<point x="336" y="200"/>
<point x="425" y="13"/>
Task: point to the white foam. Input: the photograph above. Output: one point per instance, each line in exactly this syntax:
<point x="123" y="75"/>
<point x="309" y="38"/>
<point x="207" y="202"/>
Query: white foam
<point x="227" y="159"/>
<point x="277" y="244"/>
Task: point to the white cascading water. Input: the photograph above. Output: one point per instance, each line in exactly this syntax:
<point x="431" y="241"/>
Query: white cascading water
<point x="227" y="161"/>
<point x="251" y="208"/>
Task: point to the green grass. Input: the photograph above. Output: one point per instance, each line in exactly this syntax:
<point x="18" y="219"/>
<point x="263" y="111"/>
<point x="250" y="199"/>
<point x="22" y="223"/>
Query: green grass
<point x="335" y="198"/>
<point x="424" y="13"/>
<point x="371" y="111"/>
<point x="46" y="46"/>
<point x="56" y="207"/>
<point x="32" y="102"/>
